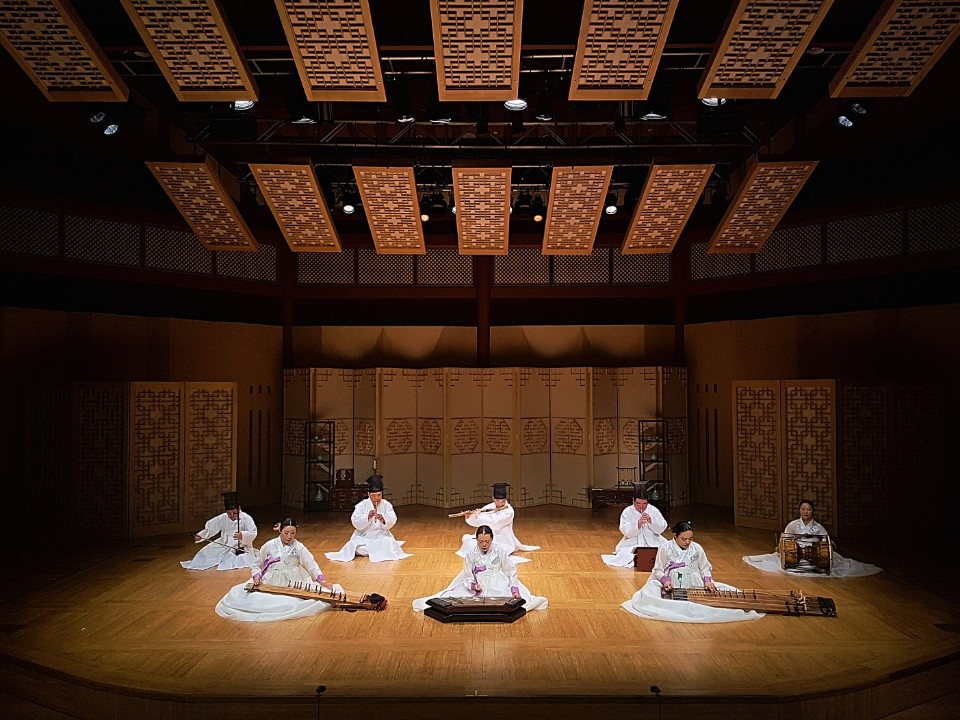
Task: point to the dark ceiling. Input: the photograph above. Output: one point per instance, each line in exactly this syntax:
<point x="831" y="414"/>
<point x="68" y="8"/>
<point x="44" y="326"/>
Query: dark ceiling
<point x="902" y="146"/>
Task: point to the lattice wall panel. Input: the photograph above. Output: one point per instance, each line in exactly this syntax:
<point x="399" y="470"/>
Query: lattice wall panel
<point x="670" y="195"/>
<point x="53" y="46"/>
<point x="390" y="201"/>
<point x="298" y="206"/>
<point x="335" y="49"/>
<point x="210" y="448"/>
<point x="195" y="49"/>
<point x="863" y="451"/>
<point x="763" y="198"/>
<point x="904" y="41"/>
<point x="155" y="458"/>
<point x="761" y="44"/>
<point x="576" y="202"/>
<point x="477" y="45"/>
<point x="205" y="204"/>
<point x="619" y="48"/>
<point x="810" y="447"/>
<point x="483" y="210"/>
<point x="917" y="449"/>
<point x="757" y="438"/>
<point x="99" y="452"/>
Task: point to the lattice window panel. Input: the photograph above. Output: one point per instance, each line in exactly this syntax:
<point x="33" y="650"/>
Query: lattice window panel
<point x="790" y="248"/>
<point x="260" y="265"/>
<point x="376" y="269"/>
<point x="179" y="250"/>
<point x="933" y="229"/>
<point x="28" y="232"/>
<point x="101" y="241"/>
<point x="705" y="266"/>
<point x="444" y="267"/>
<point x="325" y="268"/>
<point x="521" y="266"/>
<point x="652" y="269"/>
<point x="592" y="269"/>
<point x="864" y="238"/>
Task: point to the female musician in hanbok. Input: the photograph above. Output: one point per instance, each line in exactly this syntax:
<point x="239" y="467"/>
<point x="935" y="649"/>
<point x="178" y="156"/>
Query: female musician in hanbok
<point x="641" y="525"/>
<point x="806" y="525"/>
<point x="682" y="563"/>
<point x="372" y="519"/>
<point x="235" y="532"/>
<point x="488" y="571"/>
<point x="280" y="561"/>
<point x="498" y="516"/>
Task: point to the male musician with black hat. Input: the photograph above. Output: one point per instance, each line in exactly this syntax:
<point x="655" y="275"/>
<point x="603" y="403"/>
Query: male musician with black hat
<point x="498" y="515"/>
<point x="372" y="519"/>
<point x="641" y="525"/>
<point x="229" y="538"/>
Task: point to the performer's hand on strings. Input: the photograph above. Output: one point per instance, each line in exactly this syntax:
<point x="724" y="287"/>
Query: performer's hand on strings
<point x="708" y="584"/>
<point x="257" y="580"/>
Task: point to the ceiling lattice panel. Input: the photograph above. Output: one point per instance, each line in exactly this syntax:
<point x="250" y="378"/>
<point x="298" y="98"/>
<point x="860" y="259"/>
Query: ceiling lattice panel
<point x="763" y="198"/>
<point x="669" y="197"/>
<point x="194" y="48"/>
<point x="483" y="210"/>
<point x="619" y="48"/>
<point x="56" y="51"/>
<point x="576" y="202"/>
<point x="902" y="44"/>
<point x="205" y="204"/>
<point x="335" y="49"/>
<point x="760" y="46"/>
<point x="298" y="206"/>
<point x="390" y="201"/>
<point x="477" y="45"/>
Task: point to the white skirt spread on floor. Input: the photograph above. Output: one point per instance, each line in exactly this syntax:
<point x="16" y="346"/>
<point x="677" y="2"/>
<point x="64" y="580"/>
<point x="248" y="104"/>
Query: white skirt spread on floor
<point x="648" y="604"/>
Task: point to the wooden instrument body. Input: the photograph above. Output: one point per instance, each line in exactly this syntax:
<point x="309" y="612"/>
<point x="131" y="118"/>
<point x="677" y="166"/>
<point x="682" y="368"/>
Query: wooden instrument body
<point x="806" y="553"/>
<point x="318" y="592"/>
<point x="792" y="603"/>
<point x="479" y="609"/>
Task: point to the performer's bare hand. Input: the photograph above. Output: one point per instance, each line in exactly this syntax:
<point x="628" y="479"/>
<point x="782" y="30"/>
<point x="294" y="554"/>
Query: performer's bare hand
<point x="257" y="580"/>
<point x="197" y="538"/>
<point x="516" y="594"/>
<point x="474" y="513"/>
<point x="710" y="586"/>
<point x="238" y="536"/>
<point x="371" y="515"/>
<point x="668" y="586"/>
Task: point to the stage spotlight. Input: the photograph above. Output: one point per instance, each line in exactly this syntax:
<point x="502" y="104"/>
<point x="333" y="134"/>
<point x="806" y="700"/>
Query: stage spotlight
<point x="98" y="117"/>
<point x="845" y="121"/>
<point x="610" y="204"/>
<point x="537" y="208"/>
<point x="241" y="105"/>
<point x="713" y="101"/>
<point x="111" y="129"/>
<point x="424" y="208"/>
<point x="523" y="205"/>
<point x="516" y="105"/>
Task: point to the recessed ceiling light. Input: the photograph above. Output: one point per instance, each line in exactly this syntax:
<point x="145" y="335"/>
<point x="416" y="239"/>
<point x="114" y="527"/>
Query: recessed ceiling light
<point x="241" y="105"/>
<point x="653" y="115"/>
<point x="713" y="101"/>
<point x="516" y="105"/>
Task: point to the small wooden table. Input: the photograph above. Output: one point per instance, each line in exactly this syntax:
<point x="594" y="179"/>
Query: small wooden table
<point x="604" y="497"/>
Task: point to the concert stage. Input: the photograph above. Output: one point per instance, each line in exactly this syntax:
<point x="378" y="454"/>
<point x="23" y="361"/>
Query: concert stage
<point x="120" y="630"/>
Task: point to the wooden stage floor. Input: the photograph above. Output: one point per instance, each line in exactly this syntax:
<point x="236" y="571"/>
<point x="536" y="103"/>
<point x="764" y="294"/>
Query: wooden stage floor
<point x="120" y="630"/>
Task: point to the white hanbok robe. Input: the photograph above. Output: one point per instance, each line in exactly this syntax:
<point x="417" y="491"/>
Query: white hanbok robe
<point x="493" y="572"/>
<point x="839" y="565"/>
<point x="277" y="564"/>
<point x="687" y="568"/>
<point x="371" y="537"/>
<point x="635" y="536"/>
<point x="221" y="553"/>
<point x="501" y="522"/>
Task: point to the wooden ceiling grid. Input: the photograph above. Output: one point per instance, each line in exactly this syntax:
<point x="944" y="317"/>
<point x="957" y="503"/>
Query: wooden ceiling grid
<point x="902" y="44"/>
<point x="55" y="49"/>
<point x="477" y="47"/>
<point x="760" y="46"/>
<point x="393" y="210"/>
<point x="576" y="203"/>
<point x="297" y="203"/>
<point x="670" y="195"/>
<point x="194" y="48"/>
<point x="205" y="204"/>
<point x="482" y="197"/>
<point x="619" y="48"/>
<point x="764" y="196"/>
<point x="335" y="49"/>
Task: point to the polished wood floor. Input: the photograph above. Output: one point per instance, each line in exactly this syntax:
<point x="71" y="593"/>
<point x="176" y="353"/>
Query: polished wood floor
<point x="120" y="630"/>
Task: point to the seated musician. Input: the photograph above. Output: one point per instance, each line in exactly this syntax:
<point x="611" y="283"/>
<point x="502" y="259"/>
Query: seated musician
<point x="682" y="563"/>
<point x="488" y="571"/>
<point x="229" y="538"/>
<point x="641" y="525"/>
<point x="281" y="561"/>
<point x="806" y="525"/>
<point x="497" y="515"/>
<point x="372" y="520"/>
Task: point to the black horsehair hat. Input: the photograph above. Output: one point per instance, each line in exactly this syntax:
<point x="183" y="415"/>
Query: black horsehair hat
<point x="500" y="491"/>
<point x="375" y="483"/>
<point x="231" y="500"/>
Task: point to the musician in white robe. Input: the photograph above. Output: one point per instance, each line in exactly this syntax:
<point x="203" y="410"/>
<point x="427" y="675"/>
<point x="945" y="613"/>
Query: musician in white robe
<point x="806" y="525"/>
<point x="229" y="538"/>
<point x="681" y="563"/>
<point x="372" y="520"/>
<point x="641" y="525"/>
<point x="498" y="516"/>
<point x="488" y="571"/>
<point x="283" y="562"/>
